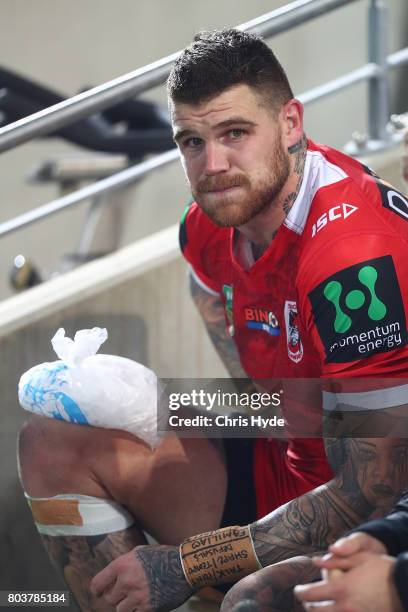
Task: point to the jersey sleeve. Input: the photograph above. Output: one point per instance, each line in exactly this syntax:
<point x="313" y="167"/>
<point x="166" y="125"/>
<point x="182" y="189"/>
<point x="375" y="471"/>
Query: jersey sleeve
<point x="196" y="237"/>
<point x="353" y="298"/>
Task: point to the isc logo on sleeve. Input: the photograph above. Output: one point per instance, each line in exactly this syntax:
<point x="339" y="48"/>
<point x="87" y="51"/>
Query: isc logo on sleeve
<point x="340" y="211"/>
<point x="359" y="311"/>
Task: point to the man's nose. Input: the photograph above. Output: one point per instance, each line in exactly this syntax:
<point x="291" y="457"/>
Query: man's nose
<point x="216" y="158"/>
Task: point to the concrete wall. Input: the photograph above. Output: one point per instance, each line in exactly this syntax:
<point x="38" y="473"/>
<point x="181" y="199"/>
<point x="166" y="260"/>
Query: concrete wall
<point x="69" y="45"/>
<point x="150" y="318"/>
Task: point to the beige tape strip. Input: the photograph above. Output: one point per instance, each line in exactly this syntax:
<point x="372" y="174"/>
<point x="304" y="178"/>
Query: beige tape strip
<point x="56" y="511"/>
<point x="218" y="557"/>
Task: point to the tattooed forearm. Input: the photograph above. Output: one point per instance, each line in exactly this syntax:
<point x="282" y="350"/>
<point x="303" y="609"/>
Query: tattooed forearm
<point x="165" y="576"/>
<point x="79" y="559"/>
<point x="212" y="311"/>
<point x="370" y="476"/>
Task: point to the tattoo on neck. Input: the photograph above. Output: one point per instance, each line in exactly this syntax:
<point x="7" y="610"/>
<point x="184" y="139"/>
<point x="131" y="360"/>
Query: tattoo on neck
<point x="299" y="150"/>
<point x="295" y="148"/>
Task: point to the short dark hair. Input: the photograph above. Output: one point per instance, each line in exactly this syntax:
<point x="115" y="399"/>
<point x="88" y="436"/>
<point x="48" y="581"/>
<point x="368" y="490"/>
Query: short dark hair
<point x="219" y="59"/>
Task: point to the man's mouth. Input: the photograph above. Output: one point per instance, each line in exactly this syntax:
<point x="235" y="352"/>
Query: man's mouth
<point x="222" y="189"/>
<point x="220" y="186"/>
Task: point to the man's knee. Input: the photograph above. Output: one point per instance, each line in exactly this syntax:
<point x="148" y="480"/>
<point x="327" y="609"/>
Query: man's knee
<point x="242" y="595"/>
<point x="271" y="587"/>
<point x="178" y="489"/>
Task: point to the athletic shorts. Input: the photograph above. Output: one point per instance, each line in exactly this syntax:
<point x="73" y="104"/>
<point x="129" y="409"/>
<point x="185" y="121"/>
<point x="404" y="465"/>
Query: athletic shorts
<point x="263" y="478"/>
<point x="240" y="502"/>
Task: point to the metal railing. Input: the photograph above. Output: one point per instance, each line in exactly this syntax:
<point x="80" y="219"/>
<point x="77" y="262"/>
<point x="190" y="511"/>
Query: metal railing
<point x="115" y="181"/>
<point x="275" y="22"/>
<point x="142" y="79"/>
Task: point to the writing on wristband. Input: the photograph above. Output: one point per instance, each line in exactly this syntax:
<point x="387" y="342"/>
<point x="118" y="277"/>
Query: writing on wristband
<point x="218" y="557"/>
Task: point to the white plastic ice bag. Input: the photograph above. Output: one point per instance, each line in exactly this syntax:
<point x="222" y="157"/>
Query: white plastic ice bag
<point x="89" y="389"/>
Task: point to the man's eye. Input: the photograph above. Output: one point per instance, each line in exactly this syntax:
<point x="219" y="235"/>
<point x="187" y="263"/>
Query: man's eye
<point x="236" y="133"/>
<point x="192" y="142"/>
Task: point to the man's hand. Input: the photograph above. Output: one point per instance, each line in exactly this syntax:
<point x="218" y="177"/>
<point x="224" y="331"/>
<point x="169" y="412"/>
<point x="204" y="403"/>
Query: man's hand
<point x="348" y="546"/>
<point x="146" y="579"/>
<point x="366" y="585"/>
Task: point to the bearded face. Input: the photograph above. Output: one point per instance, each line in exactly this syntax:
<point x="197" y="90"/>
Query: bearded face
<point x="233" y="200"/>
<point x="233" y="153"/>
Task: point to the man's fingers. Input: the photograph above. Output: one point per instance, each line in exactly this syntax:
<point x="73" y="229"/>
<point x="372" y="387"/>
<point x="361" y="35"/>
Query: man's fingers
<point x="103" y="580"/>
<point x="343" y="564"/>
<point x="318" y="591"/>
<point x="113" y="594"/>
<point x="335" y="562"/>
<point x="121" y="591"/>
<point x="127" y="605"/>
<point x="350" y="545"/>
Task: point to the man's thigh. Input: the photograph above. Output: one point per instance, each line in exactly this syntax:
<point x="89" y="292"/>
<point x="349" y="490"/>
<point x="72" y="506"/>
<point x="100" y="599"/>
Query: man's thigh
<point x="182" y="488"/>
<point x="195" y="485"/>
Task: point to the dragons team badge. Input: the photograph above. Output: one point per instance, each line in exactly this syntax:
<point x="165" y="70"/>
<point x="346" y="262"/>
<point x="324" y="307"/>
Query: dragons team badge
<point x="294" y="343"/>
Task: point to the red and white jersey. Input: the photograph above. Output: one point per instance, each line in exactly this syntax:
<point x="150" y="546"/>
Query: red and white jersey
<point x="329" y="297"/>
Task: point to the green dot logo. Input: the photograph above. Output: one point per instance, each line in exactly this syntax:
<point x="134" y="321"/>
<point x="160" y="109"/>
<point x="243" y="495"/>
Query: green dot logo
<point x="368" y="277"/>
<point x="332" y="292"/>
<point x="355" y="299"/>
<point x="359" y="310"/>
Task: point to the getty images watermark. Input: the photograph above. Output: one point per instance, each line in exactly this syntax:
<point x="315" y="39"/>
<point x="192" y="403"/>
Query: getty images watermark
<point x="214" y="408"/>
<point x="340" y="407"/>
<point x="209" y="401"/>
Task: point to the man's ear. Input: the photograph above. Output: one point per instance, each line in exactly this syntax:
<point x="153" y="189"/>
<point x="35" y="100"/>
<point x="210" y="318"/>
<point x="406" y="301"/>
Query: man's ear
<point x="292" y="120"/>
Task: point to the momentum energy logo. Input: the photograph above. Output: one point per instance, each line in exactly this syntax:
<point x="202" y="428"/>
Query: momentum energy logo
<point x="359" y="311"/>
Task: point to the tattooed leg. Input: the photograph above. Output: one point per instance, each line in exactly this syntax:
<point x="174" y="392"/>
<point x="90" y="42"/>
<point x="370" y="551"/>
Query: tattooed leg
<point x="79" y="559"/>
<point x="271" y="589"/>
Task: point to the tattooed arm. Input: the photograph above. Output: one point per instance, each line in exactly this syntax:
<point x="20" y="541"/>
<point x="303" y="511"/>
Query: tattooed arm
<point x="370" y="476"/>
<point x="148" y="578"/>
<point x="211" y="310"/>
<point x="370" y="473"/>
